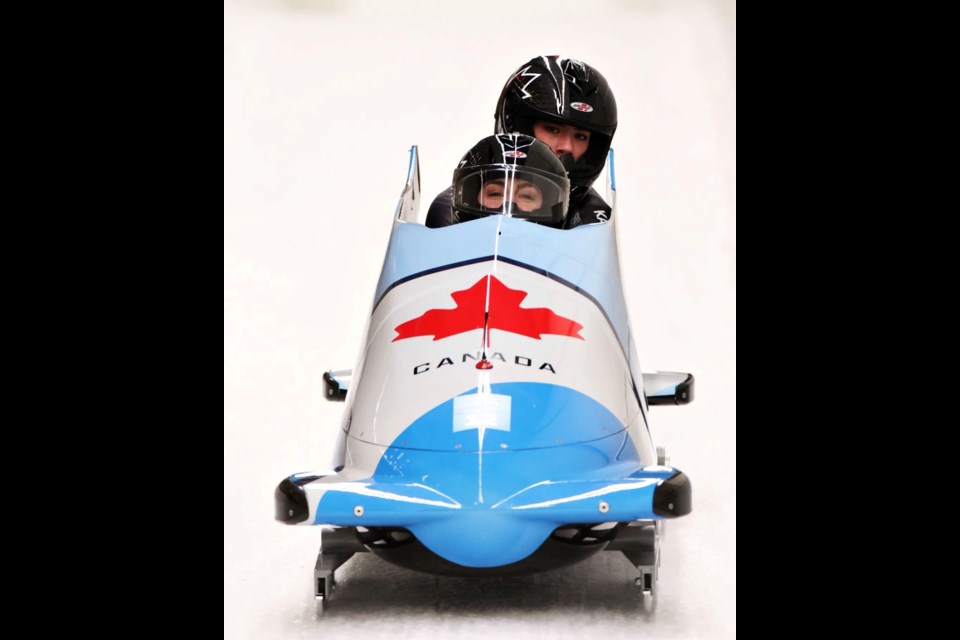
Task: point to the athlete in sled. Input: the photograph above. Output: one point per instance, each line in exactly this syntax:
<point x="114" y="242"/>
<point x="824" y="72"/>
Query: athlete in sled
<point x="496" y="421"/>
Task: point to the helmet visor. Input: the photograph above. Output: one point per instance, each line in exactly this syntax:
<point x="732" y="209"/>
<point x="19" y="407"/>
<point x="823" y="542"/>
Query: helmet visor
<point x="512" y="191"/>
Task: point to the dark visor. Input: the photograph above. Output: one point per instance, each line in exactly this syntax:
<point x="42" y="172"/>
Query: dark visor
<point x="511" y="191"/>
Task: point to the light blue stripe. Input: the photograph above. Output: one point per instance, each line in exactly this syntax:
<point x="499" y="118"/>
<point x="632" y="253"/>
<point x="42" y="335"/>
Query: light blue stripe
<point x="585" y="256"/>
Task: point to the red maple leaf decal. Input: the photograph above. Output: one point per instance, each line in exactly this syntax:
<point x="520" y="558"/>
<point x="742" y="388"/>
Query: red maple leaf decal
<point x="505" y="314"/>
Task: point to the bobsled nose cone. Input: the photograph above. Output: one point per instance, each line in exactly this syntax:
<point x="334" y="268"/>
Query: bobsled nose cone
<point x="482" y="538"/>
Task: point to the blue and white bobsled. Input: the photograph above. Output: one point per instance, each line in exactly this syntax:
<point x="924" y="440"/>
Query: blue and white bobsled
<point x="497" y="420"/>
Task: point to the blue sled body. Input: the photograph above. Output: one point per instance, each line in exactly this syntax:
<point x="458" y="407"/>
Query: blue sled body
<point x="496" y="420"/>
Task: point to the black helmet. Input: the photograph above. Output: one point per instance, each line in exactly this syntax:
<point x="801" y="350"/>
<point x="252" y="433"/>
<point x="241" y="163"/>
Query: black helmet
<point x="568" y="92"/>
<point x="511" y="174"/>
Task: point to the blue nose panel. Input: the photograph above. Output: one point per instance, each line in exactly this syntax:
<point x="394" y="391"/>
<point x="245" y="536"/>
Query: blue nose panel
<point x="556" y="435"/>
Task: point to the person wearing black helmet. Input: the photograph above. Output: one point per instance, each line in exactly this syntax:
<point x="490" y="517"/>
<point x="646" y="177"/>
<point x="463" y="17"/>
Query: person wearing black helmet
<point x="568" y="105"/>
<point x="514" y="175"/>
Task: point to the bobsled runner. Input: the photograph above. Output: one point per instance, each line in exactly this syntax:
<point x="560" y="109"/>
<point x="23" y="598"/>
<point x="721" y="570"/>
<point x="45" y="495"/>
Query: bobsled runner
<point x="496" y="421"/>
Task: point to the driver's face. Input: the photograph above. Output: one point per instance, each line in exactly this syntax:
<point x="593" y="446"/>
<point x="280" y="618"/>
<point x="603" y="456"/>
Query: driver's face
<point x="525" y="195"/>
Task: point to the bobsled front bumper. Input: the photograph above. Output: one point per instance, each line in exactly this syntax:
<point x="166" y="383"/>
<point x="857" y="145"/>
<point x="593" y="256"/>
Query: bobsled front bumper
<point x="478" y="534"/>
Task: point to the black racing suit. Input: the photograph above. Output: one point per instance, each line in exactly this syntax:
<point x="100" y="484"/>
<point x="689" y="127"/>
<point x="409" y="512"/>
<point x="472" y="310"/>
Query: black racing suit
<point x="587" y="210"/>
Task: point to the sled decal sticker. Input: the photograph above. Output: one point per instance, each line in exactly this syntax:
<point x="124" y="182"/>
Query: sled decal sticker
<point x="505" y="313"/>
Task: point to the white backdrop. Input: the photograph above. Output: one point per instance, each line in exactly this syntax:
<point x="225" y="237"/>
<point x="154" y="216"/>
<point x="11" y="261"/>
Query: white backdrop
<point x="322" y="101"/>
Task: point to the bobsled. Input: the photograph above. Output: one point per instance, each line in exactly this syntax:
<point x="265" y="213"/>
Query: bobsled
<point x="496" y="421"/>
